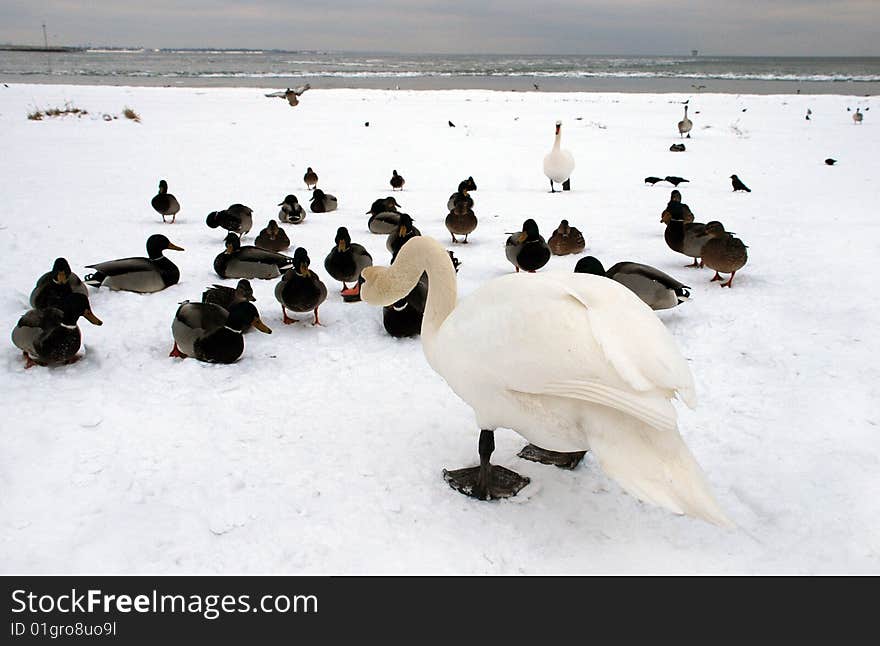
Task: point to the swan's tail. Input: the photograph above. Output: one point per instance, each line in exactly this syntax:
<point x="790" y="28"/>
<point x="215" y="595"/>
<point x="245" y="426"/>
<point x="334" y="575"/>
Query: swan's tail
<point x="655" y="466"/>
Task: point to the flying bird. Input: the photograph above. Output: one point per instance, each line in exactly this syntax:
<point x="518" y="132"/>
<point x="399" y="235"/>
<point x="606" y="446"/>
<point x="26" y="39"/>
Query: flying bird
<point x="738" y="185"/>
<point x="291" y="95"/>
<point x="674" y="180"/>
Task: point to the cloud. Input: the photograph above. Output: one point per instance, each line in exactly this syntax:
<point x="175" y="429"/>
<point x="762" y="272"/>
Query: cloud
<point x="734" y="27"/>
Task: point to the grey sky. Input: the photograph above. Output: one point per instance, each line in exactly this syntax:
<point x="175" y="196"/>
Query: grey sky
<point x="734" y="27"/>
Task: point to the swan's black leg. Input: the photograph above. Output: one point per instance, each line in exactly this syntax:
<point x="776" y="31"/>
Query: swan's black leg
<point x="566" y="185"/>
<point x="557" y="459"/>
<point x="552" y="190"/>
<point x="486" y="481"/>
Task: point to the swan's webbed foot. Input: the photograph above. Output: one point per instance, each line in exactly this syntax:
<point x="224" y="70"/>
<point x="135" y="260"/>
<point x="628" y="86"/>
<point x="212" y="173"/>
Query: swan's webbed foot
<point x="487" y="481"/>
<point x="555" y="458"/>
<point x="499" y="482"/>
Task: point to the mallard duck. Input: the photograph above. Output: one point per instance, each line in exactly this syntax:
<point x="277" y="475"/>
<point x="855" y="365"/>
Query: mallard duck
<point x="322" y="202"/>
<point x="291" y="211"/>
<point x="723" y="252"/>
<point x="208" y="332"/>
<point x="53" y="286"/>
<point x="527" y="249"/>
<point x="546" y="356"/>
<point x="249" y="262"/>
<point x="686" y="238"/>
<point x="237" y="218"/>
<point x="397" y="181"/>
<point x="404" y="232"/>
<point x="272" y="238"/>
<point x="658" y="290"/>
<point x="310" y="178"/>
<point x="461" y="221"/>
<point x="676" y="209"/>
<point x="857" y="116"/>
<point x="141" y="275"/>
<point x="384" y="217"/>
<point x="685" y="125"/>
<point x="226" y="297"/>
<point x="165" y="203"/>
<point x="346" y="261"/>
<point x="383" y="205"/>
<point x="566" y="239"/>
<point x="300" y="289"/>
<point x="558" y="163"/>
<point x="50" y="336"/>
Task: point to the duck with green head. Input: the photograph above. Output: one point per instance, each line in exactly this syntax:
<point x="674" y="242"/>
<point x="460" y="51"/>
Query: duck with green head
<point x="140" y="275"/>
<point x="51" y="336"/>
<point x="210" y="333"/>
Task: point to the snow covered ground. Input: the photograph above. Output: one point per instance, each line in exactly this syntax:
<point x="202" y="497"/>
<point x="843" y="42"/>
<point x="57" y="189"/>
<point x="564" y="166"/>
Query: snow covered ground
<point x="321" y="450"/>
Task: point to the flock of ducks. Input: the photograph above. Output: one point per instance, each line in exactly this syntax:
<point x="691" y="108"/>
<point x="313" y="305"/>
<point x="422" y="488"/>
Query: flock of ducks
<point x="610" y="393"/>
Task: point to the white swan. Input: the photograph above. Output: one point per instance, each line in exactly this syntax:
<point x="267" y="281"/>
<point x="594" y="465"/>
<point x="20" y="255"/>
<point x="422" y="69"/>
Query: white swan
<point x="569" y="361"/>
<point x="558" y="163"/>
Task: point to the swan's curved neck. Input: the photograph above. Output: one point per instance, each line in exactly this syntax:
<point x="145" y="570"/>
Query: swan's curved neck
<point x="425" y="255"/>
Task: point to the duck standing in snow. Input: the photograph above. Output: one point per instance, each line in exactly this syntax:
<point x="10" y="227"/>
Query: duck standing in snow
<point x="210" y="333"/>
<point x="461" y="221"/>
<point x="566" y="239"/>
<point x="291" y="211"/>
<point x="527" y="249"/>
<point x="686" y="238"/>
<point x="397" y="181"/>
<point x="723" y="252"/>
<point x="165" y="203"/>
<point x="310" y="178"/>
<point x="300" y="289"/>
<point x="249" y="261"/>
<point x="50" y="336"/>
<point x="141" y="275"/>
<point x="346" y="261"/>
<point x="272" y="238"/>
<point x="322" y="202"/>
<point x="53" y="286"/>
<point x="559" y="163"/>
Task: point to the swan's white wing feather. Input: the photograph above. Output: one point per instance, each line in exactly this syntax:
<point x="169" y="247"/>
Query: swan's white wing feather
<point x="637" y="343"/>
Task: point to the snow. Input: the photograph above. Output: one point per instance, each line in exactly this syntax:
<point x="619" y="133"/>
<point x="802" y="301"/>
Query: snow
<point x="321" y="450"/>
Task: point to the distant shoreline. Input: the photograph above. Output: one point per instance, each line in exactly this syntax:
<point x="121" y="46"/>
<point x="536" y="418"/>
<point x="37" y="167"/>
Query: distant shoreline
<point x="505" y="84"/>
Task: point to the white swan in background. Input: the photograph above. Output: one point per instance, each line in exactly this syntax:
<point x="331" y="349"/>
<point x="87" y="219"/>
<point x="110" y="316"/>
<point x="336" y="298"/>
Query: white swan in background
<point x="558" y="163"/>
<point x="569" y="361"/>
<point x="685" y="125"/>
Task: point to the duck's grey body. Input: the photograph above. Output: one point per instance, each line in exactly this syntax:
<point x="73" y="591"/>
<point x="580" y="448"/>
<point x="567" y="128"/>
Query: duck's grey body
<point x="323" y="202"/>
<point x="687" y="238"/>
<point x="194" y="321"/>
<point x="384" y="223"/>
<point x="251" y="262"/>
<point x="51" y="335"/>
<point x="131" y="275"/>
<point x="657" y="289"/>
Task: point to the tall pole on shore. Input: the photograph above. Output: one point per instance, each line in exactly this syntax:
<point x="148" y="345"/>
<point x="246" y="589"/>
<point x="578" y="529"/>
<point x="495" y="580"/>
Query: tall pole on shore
<point x="46" y="46"/>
